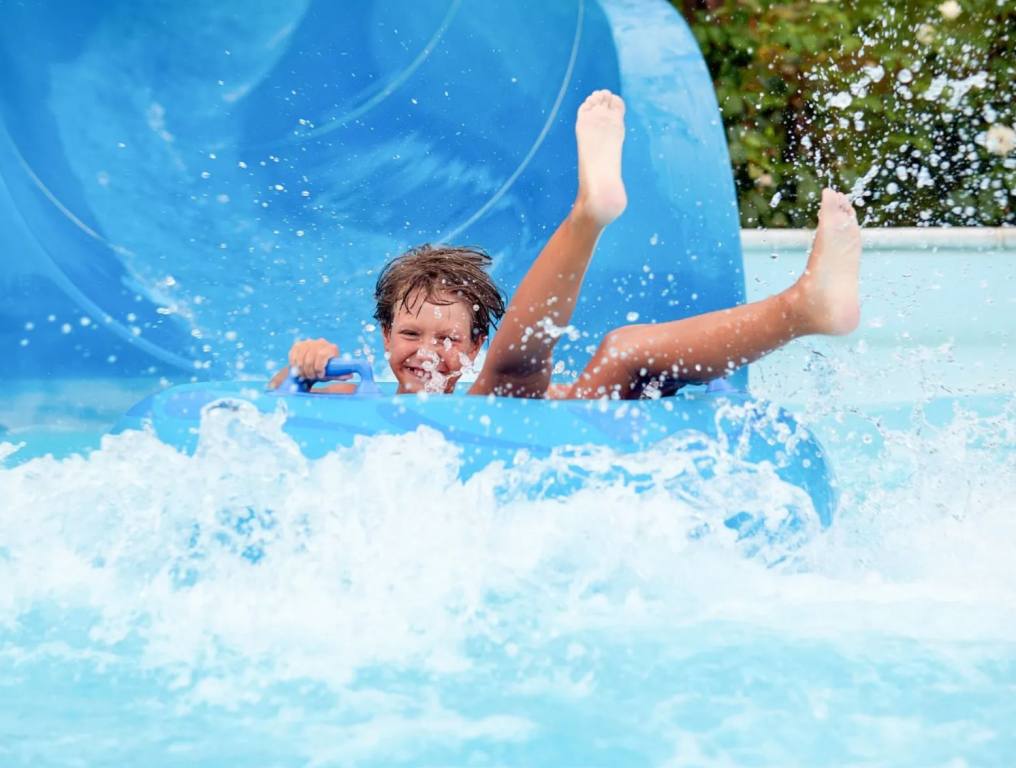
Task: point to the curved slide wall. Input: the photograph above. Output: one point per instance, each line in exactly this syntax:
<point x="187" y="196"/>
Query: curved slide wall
<point x="186" y="187"/>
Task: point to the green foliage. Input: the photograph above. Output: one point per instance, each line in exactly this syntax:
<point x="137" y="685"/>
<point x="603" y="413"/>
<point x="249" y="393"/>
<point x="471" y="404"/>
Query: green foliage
<point x="892" y="102"/>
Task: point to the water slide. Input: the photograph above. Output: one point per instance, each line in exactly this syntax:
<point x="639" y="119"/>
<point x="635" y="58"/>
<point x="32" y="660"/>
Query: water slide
<point x="187" y="187"/>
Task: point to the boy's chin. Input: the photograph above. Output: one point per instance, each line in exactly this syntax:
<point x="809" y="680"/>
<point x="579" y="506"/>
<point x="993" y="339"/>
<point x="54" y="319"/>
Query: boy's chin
<point x="415" y="386"/>
<point x="411" y="385"/>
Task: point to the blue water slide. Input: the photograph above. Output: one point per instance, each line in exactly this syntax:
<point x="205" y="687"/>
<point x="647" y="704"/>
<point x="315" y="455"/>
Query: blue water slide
<point x="190" y="186"/>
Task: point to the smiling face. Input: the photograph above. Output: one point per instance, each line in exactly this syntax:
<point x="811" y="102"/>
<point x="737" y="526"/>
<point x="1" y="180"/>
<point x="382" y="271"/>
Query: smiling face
<point x="428" y="344"/>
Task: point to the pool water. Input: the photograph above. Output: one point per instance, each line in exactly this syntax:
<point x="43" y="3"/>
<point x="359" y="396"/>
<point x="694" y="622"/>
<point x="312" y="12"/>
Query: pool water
<point x="248" y="606"/>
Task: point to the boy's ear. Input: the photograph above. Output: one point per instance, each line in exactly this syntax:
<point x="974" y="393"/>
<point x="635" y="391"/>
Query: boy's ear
<point x="386" y="336"/>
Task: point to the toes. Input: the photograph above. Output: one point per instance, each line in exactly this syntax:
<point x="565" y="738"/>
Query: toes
<point x="844" y="205"/>
<point x="836" y="204"/>
<point x="834" y="201"/>
<point x="602" y="97"/>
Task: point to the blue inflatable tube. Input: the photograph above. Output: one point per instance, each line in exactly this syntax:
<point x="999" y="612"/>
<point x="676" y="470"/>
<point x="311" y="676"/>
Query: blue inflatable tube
<point x="491" y="428"/>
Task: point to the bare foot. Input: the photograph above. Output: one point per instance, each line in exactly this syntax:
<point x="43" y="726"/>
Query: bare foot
<point x="826" y="293"/>
<point x="599" y="128"/>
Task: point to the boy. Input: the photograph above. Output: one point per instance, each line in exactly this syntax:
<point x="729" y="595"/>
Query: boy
<point x="436" y="305"/>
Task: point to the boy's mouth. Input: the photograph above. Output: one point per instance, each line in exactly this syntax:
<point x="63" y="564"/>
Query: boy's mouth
<point x="419" y="373"/>
<point x="430" y="378"/>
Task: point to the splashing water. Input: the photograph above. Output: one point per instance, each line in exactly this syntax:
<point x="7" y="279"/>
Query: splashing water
<point x="372" y="607"/>
<point x="942" y="105"/>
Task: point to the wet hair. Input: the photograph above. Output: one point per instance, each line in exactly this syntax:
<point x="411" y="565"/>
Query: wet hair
<point x="440" y="274"/>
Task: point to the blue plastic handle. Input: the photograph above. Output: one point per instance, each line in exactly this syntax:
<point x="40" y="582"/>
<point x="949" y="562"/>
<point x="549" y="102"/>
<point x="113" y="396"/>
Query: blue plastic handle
<point x="336" y="368"/>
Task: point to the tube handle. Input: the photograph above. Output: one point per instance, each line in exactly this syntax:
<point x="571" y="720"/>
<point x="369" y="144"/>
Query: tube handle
<point x="336" y="368"/>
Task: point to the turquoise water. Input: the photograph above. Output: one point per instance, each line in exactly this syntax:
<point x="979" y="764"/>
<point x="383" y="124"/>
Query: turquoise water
<point x="409" y="618"/>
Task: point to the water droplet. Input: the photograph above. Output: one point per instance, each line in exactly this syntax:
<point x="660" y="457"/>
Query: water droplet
<point x="841" y="100"/>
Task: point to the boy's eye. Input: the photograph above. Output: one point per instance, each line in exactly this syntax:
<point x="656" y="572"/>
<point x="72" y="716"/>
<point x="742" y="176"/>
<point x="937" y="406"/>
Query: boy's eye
<point x="409" y="334"/>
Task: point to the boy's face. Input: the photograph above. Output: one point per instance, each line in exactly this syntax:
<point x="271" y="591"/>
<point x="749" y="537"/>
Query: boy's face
<point x="429" y="344"/>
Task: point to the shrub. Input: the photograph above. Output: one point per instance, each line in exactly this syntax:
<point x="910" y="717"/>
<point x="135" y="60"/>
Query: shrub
<point x="908" y="107"/>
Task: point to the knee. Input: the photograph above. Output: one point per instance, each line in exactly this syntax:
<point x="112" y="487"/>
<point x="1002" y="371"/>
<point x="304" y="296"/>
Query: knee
<point x="614" y="370"/>
<point x="621" y="344"/>
<point x="618" y="353"/>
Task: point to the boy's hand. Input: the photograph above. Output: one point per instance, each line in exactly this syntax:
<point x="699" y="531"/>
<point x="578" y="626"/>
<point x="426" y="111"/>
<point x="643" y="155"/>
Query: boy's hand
<point x="307" y="358"/>
<point x="310" y="356"/>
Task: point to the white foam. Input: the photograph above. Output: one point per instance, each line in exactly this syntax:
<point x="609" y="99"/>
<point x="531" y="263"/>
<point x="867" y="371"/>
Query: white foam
<point x="247" y="567"/>
<point x="381" y="553"/>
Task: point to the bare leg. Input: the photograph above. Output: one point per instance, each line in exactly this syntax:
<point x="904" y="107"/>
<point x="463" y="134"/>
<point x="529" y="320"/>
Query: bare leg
<point x="519" y="361"/>
<point x="824" y="300"/>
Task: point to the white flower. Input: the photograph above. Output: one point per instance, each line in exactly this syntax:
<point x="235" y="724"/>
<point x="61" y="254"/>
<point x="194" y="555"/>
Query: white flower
<point x="950" y="9"/>
<point x="1000" y="139"/>
<point x="925" y="34"/>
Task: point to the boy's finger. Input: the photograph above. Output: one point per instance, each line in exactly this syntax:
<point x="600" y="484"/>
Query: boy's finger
<point x="306" y="363"/>
<point x="314" y="369"/>
<point x="297" y="352"/>
<point x="321" y="362"/>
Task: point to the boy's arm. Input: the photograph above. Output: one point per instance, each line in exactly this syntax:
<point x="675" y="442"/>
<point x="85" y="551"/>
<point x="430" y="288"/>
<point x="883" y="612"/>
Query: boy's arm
<point x="520" y="361"/>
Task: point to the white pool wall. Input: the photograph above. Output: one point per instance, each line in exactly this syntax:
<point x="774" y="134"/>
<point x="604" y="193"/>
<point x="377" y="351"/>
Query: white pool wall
<point x="938" y="317"/>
